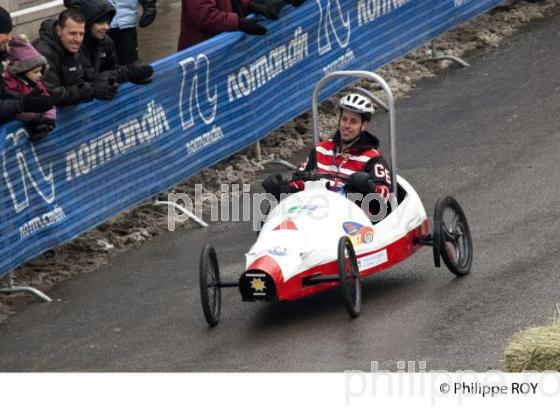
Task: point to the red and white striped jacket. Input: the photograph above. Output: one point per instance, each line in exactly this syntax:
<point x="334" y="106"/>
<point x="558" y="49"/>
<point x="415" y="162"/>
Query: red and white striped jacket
<point x="327" y="158"/>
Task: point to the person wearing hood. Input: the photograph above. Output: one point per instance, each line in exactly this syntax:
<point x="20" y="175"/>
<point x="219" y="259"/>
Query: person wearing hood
<point x="24" y="76"/>
<point x="60" y="41"/>
<point x="12" y="103"/>
<point x="98" y="56"/>
<point x="203" y="19"/>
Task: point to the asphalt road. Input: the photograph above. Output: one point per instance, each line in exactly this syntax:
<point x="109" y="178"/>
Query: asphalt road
<point x="488" y="135"/>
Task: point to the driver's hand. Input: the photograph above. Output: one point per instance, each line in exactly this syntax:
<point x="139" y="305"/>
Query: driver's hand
<point x="362" y="181"/>
<point x="272" y="183"/>
<point x="383" y="190"/>
<point x="296" y="183"/>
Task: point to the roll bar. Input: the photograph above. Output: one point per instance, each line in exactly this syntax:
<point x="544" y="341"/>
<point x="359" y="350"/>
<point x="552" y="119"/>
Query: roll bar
<point x="389" y="107"/>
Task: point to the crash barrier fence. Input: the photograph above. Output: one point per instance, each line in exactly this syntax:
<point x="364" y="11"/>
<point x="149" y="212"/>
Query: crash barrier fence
<point x="204" y="104"/>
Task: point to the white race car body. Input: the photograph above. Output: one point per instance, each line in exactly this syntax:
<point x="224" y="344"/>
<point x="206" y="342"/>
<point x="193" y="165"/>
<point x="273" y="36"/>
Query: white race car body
<point x="300" y="236"/>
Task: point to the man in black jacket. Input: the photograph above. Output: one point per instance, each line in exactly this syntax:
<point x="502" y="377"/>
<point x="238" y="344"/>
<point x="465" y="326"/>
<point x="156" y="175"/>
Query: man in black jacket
<point x="13" y="103"/>
<point x="60" y="41"/>
<point x="97" y="53"/>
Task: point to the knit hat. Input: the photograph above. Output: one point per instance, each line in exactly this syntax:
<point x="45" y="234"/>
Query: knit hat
<point x="5" y="21"/>
<point x="23" y="56"/>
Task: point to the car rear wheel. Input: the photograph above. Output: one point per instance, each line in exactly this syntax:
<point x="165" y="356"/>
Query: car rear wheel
<point x="209" y="280"/>
<point x="452" y="236"/>
<point x="349" y="276"/>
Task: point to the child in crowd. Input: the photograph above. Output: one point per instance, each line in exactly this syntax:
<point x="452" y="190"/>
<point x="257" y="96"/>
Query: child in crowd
<point x="24" y="75"/>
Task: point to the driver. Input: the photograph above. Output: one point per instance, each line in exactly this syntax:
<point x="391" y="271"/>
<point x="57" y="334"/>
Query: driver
<point x="350" y="157"/>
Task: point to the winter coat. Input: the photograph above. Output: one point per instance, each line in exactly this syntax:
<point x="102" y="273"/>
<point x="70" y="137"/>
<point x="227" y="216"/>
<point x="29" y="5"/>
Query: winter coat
<point x="19" y="85"/>
<point x="23" y="57"/>
<point x="127" y="15"/>
<point x="202" y="19"/>
<point x="97" y="56"/>
<point x="10" y="104"/>
<point x="99" y="59"/>
<point x="327" y="158"/>
<point x="65" y="79"/>
<point x="93" y="10"/>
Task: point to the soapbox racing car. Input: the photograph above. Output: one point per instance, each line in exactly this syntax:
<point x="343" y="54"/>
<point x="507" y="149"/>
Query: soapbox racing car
<point x="317" y="239"/>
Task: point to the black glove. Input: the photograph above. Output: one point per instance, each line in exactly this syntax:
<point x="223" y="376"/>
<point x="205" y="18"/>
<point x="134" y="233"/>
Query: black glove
<point x="272" y="183"/>
<point x="32" y="103"/>
<point x="139" y="74"/>
<point x="362" y="181"/>
<point x="149" y="12"/>
<point x="296" y="3"/>
<point x="105" y="89"/>
<point x="38" y="129"/>
<point x="269" y="8"/>
<point x="252" y="26"/>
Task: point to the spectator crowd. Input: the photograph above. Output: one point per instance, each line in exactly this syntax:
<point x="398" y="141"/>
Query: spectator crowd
<point x="92" y="47"/>
<point x="74" y="60"/>
<point x="203" y="19"/>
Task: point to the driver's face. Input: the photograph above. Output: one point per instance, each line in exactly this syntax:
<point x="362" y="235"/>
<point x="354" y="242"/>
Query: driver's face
<point x="351" y="125"/>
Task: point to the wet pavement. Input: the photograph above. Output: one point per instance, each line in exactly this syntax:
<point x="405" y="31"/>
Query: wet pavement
<point x="489" y="135"/>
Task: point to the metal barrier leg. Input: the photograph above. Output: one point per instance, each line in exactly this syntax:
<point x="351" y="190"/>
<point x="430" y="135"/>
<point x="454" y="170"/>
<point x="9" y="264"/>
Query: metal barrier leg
<point x="286" y="164"/>
<point x="157" y="202"/>
<point x="258" y="153"/>
<point x="25" y="289"/>
<point x="438" y="57"/>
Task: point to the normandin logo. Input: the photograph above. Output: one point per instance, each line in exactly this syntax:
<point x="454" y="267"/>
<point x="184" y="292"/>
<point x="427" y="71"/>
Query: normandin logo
<point x="332" y="21"/>
<point x="23" y="172"/>
<point x="196" y="92"/>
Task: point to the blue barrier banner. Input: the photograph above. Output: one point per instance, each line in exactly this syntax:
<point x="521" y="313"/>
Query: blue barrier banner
<point x="205" y="104"/>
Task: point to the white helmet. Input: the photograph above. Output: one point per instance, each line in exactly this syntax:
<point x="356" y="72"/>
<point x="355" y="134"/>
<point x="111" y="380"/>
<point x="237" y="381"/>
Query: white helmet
<point x="357" y="103"/>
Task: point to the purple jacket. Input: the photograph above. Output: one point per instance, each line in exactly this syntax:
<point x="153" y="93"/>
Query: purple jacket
<point x="202" y="19"/>
<point x="19" y="86"/>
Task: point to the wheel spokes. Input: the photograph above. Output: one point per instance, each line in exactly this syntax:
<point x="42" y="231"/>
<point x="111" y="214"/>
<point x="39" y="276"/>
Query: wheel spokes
<point x="451" y="250"/>
<point x="462" y="244"/>
<point x="454" y="240"/>
<point x="351" y="275"/>
<point x="450" y="233"/>
<point x="451" y="236"/>
<point x="454" y="223"/>
<point x="212" y="284"/>
<point x="448" y="236"/>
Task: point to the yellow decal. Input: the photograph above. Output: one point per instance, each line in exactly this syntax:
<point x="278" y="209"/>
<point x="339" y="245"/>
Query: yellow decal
<point x="258" y="284"/>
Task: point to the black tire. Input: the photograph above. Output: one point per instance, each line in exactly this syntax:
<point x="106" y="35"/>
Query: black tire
<point x="349" y="276"/>
<point x="452" y="236"/>
<point x="209" y="280"/>
<point x="436" y="234"/>
<point x="265" y="213"/>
